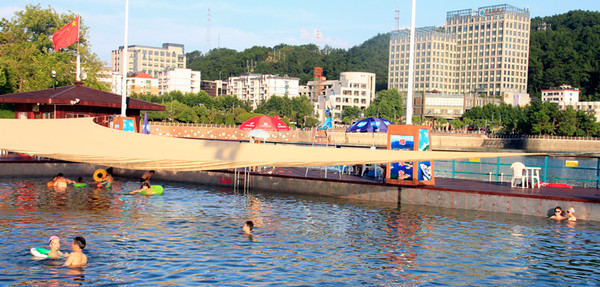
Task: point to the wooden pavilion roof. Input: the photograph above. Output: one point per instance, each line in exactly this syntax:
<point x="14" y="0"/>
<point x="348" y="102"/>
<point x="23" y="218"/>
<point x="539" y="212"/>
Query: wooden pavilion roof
<point x="79" y="95"/>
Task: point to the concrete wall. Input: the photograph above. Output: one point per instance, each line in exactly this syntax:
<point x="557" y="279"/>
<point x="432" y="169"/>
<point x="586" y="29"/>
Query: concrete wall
<point x="522" y="205"/>
<point x="375" y="192"/>
<point x="440" y="141"/>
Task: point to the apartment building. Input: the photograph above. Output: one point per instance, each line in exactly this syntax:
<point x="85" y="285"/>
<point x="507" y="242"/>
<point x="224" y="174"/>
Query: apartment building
<point x="482" y="51"/>
<point x="562" y="94"/>
<point x="257" y="88"/>
<point x="178" y="79"/>
<point x="214" y="88"/>
<point x="150" y="60"/>
<point x="353" y="89"/>
<point x="566" y="96"/>
<point x="142" y="83"/>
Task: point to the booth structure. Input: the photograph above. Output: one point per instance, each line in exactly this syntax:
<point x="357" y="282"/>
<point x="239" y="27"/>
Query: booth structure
<point x="415" y="138"/>
<point x="127" y="124"/>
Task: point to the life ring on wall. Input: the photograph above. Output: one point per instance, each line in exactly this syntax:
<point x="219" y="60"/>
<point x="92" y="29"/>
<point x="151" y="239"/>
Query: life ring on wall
<point x="99" y="174"/>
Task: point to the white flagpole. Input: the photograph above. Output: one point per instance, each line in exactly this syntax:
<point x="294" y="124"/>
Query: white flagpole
<point x="78" y="72"/>
<point x="125" y="64"/>
<point x="411" y="69"/>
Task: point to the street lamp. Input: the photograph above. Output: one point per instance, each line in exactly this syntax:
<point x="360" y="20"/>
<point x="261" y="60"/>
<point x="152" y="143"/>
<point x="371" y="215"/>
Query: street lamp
<point x="53" y="79"/>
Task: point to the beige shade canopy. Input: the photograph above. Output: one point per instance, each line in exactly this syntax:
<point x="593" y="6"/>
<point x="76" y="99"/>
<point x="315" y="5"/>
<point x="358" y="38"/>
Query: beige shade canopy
<point x="81" y="140"/>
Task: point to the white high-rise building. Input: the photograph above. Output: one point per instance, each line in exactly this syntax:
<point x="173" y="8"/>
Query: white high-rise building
<point x="178" y="79"/>
<point x="150" y="60"/>
<point x="257" y="88"/>
<point x="482" y="52"/>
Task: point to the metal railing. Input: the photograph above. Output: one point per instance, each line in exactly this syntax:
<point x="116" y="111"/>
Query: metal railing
<point x="573" y="170"/>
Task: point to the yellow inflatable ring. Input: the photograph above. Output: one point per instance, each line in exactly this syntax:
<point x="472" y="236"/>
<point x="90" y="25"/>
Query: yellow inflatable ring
<point x="99" y="174"/>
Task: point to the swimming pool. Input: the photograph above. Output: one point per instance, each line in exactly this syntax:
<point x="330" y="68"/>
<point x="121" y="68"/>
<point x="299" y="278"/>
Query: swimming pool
<point x="192" y="235"/>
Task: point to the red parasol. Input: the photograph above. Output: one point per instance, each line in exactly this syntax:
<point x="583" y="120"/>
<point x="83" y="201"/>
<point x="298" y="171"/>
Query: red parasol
<point x="267" y="123"/>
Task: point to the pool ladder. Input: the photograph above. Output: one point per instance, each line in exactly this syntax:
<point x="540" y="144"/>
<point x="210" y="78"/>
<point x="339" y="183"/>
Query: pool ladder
<point x="241" y="178"/>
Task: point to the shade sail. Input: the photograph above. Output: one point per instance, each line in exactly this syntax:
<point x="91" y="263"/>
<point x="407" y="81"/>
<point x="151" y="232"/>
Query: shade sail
<point x="81" y="140"/>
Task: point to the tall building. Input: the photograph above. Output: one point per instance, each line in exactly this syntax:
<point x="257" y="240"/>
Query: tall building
<point x="257" y="88"/>
<point x="150" y="60"/>
<point x="492" y="44"/>
<point x="435" y="60"/>
<point x="482" y="51"/>
<point x="178" y="79"/>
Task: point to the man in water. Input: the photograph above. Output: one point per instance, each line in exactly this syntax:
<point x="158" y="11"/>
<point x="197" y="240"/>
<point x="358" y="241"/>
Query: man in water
<point x="146" y="177"/>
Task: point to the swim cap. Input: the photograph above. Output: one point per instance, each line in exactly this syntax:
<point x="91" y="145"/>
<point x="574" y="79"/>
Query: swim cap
<point x="52" y="238"/>
<point x="571" y="210"/>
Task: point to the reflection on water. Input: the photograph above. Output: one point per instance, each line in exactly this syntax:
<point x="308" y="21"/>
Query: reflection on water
<point x="192" y="235"/>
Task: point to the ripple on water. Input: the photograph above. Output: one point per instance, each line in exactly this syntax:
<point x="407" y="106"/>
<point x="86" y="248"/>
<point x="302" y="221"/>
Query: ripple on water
<point x="191" y="235"/>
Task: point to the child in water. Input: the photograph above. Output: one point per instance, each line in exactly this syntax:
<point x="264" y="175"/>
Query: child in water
<point x="77" y="258"/>
<point x="146" y="189"/>
<point x="54" y="243"/>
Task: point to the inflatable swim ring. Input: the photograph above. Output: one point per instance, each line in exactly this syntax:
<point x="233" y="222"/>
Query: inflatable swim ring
<point x="99" y="174"/>
<point x="40" y="252"/>
<point x="156" y="190"/>
<point x="79" y="184"/>
<point x="50" y="184"/>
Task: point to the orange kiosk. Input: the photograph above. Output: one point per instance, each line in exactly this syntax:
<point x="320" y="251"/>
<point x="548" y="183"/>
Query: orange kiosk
<point x="409" y="137"/>
<point x="125" y="124"/>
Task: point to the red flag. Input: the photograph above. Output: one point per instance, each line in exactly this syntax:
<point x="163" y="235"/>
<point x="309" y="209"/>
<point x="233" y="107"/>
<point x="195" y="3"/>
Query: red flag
<point x="67" y="35"/>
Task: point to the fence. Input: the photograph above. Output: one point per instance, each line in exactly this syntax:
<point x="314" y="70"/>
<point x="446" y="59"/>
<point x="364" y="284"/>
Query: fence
<point x="573" y="170"/>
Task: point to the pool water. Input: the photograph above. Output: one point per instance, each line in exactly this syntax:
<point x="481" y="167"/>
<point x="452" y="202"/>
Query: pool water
<point x="191" y="235"/>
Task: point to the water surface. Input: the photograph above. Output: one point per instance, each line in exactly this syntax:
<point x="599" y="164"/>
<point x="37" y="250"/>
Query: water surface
<point x="191" y="235"/>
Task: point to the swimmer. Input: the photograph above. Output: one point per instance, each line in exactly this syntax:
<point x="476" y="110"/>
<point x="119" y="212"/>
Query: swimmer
<point x="558" y="214"/>
<point x="571" y="214"/>
<point x="146" y="189"/>
<point x="107" y="179"/>
<point x="146" y="176"/>
<point x="80" y="180"/>
<point x="77" y="258"/>
<point x="54" y="243"/>
<point x="61" y="181"/>
<point x="247" y="228"/>
<point x="51" y="183"/>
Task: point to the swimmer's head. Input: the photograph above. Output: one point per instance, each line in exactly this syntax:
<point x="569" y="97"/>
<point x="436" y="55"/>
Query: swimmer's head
<point x="52" y="238"/>
<point x="79" y="241"/>
<point x="571" y="210"/>
<point x="249" y="224"/>
<point x="60" y="174"/>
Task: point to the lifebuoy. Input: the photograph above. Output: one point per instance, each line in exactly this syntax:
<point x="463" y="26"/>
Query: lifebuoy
<point x="99" y="174"/>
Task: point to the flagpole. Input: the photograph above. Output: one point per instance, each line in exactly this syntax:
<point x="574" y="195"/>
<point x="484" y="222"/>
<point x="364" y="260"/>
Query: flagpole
<point x="125" y="64"/>
<point x="78" y="72"/>
<point x="411" y="66"/>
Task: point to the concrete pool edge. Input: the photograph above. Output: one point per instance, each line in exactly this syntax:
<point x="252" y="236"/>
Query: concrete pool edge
<point x="534" y="205"/>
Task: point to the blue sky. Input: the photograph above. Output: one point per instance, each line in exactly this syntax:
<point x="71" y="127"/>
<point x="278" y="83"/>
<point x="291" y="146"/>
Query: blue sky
<point x="242" y="24"/>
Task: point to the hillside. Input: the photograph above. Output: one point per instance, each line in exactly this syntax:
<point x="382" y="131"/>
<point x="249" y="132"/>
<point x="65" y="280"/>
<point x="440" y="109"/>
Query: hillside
<point x="295" y="61"/>
<point x="565" y="49"/>
<point x="565" y="52"/>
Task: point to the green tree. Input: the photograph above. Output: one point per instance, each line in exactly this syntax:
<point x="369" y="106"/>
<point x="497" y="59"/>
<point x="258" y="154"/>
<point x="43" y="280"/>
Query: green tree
<point x="567" y="125"/>
<point x="350" y="113"/>
<point x="387" y="105"/>
<point x="27" y="55"/>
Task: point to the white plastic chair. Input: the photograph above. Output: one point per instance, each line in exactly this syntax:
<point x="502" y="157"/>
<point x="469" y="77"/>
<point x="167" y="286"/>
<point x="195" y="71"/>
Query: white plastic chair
<point x="518" y="174"/>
